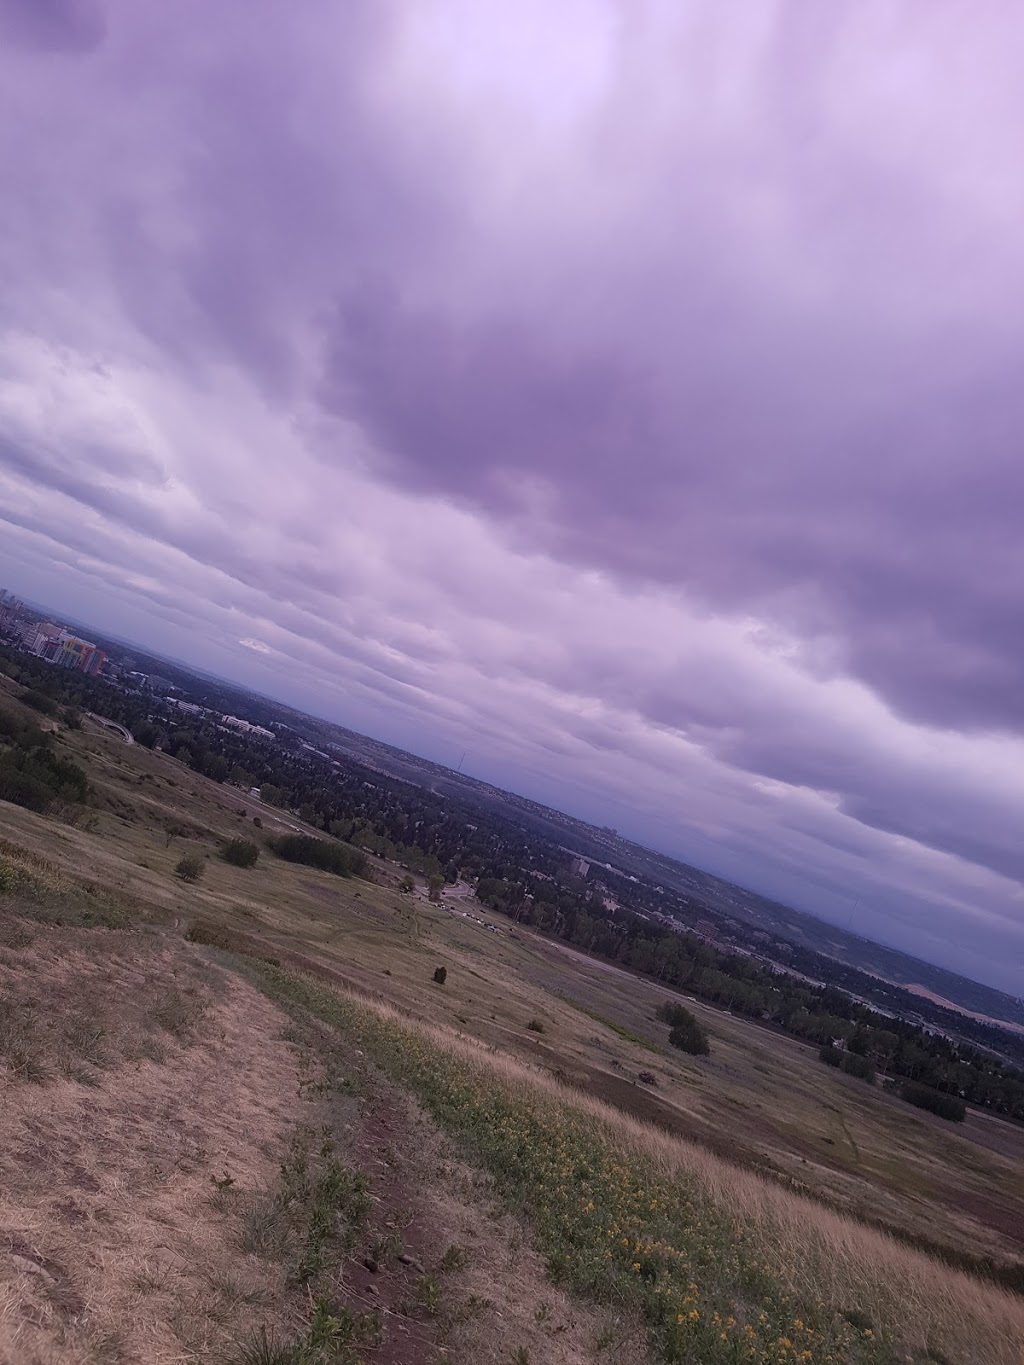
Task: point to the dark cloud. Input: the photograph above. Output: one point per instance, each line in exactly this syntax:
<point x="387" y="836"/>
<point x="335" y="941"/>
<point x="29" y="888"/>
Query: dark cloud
<point x="652" y="416"/>
<point x="72" y="26"/>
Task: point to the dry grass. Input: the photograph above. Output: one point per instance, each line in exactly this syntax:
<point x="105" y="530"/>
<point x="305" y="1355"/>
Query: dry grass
<point x="109" y="1249"/>
<point x="817" y="1254"/>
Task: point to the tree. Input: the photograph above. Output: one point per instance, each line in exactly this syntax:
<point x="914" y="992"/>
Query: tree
<point x="686" y="1033"/>
<point x="240" y="852"/>
<point x="190" y="867"/>
<point x="434" y="885"/>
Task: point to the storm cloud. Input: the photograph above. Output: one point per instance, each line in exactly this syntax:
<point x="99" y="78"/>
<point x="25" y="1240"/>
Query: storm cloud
<point x="626" y="394"/>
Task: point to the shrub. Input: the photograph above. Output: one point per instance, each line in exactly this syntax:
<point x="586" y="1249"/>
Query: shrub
<point x="329" y="857"/>
<point x="36" y="777"/>
<point x="924" y="1097"/>
<point x="830" y="1055"/>
<point x="240" y="853"/>
<point x="440" y="975"/>
<point x="190" y="867"/>
<point x="7" y="877"/>
<point x="861" y="1067"/>
<point x="686" y="1033"/>
<point x="257" y="822"/>
<point x="535" y="1026"/>
<point x="690" y="1038"/>
<point x="39" y="701"/>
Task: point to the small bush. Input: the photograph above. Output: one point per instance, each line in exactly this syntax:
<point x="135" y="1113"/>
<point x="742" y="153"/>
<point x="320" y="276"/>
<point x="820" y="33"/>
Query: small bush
<point x="190" y="867"/>
<point x="949" y="1107"/>
<point x="240" y="853"/>
<point x="535" y="1026"/>
<point x="257" y="822"/>
<point x="440" y="975"/>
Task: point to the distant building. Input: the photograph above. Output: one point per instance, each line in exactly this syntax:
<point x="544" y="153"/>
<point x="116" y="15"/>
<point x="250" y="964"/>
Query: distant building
<point x="579" y="866"/>
<point x="236" y="723"/>
<point x="60" y="647"/>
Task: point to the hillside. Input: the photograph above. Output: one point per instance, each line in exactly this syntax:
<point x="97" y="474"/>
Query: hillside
<point x="351" y="1190"/>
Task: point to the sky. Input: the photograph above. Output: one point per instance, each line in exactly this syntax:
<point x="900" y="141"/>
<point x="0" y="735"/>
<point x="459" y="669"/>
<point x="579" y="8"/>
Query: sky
<point x="624" y="392"/>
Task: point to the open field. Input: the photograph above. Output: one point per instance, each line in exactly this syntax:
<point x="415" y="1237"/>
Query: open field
<point x="769" y="1142"/>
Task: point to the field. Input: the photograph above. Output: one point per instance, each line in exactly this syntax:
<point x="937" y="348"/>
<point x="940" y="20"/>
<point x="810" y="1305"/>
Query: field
<point x="286" y="1136"/>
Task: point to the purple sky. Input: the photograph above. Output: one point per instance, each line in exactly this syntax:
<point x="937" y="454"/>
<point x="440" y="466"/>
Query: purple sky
<point x="626" y="392"/>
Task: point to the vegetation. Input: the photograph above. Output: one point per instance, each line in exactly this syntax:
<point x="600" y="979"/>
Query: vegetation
<point x="329" y="857"/>
<point x="623" y="1217"/>
<point x="32" y="773"/>
<point x="630" y="1035"/>
<point x="851" y="1062"/>
<point x="240" y="852"/>
<point x="39" y="701"/>
<point x="440" y="975"/>
<point x="946" y="1106"/>
<point x="190" y="867"/>
<point x="686" y="1032"/>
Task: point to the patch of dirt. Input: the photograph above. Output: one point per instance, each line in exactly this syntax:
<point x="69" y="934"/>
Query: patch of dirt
<point x="109" y="1250"/>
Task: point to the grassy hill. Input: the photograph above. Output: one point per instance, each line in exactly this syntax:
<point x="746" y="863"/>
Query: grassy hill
<point x="242" y="1121"/>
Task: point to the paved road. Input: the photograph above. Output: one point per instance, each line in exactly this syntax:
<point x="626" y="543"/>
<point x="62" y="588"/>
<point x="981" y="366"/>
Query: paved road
<point x="125" y="734"/>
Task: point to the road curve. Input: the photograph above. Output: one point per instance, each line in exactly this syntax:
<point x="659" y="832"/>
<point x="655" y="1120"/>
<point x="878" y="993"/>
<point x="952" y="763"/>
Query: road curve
<point x="125" y="733"/>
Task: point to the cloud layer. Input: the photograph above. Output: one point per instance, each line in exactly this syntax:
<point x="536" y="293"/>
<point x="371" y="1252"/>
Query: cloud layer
<point x="627" y="395"/>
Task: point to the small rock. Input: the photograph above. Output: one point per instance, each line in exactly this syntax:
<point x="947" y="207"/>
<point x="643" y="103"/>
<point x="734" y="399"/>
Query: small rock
<point x="406" y="1259"/>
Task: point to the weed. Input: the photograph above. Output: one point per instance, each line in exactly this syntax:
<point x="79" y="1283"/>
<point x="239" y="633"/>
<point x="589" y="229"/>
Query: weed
<point x="428" y="1294"/>
<point x="455" y="1258"/>
<point x="473" y="1307"/>
<point x="178" y="1011"/>
<point x="330" y="1337"/>
<point x="265" y="1227"/>
<point x="19" y="1043"/>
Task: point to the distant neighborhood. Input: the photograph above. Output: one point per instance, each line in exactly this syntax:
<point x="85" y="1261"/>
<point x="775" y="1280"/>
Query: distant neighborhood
<point x="45" y="638"/>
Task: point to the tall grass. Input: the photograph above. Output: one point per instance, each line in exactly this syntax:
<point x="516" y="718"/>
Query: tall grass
<point x="725" y="1267"/>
